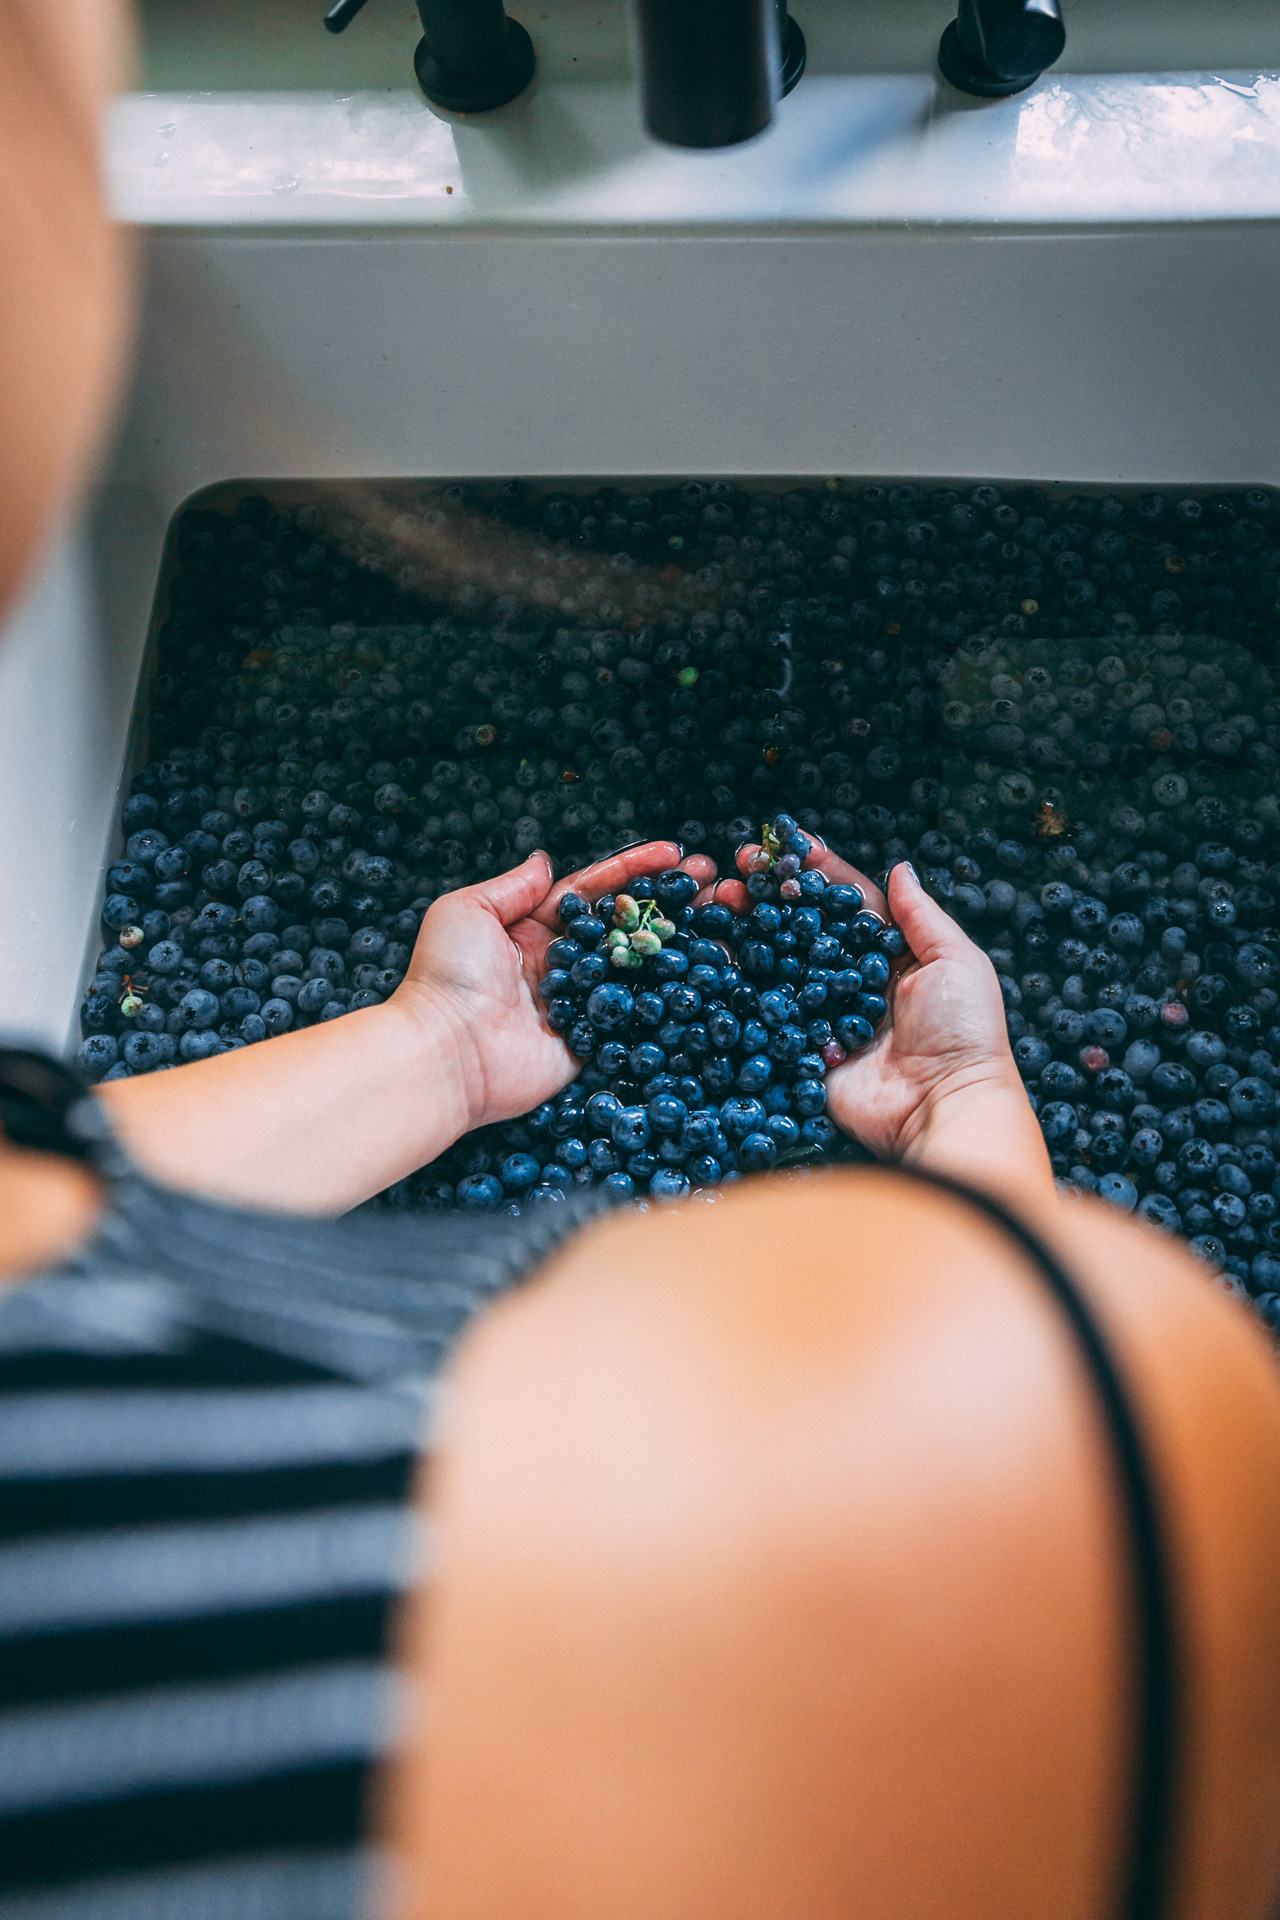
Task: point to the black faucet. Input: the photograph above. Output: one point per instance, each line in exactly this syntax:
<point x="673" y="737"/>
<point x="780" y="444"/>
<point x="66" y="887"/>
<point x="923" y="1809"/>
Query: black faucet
<point x="712" y="71"/>
<point x="471" y="56"/>
<point x="997" y="47"/>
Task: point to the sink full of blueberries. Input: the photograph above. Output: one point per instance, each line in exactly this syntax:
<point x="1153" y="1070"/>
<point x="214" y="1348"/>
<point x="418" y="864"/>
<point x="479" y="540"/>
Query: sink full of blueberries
<point x="1060" y="706"/>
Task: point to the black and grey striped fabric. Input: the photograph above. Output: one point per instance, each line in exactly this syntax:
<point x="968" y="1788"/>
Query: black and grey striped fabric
<point x="208" y="1430"/>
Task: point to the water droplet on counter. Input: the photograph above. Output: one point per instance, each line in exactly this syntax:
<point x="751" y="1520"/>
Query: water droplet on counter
<point x="168" y="130"/>
<point x="287" y="183"/>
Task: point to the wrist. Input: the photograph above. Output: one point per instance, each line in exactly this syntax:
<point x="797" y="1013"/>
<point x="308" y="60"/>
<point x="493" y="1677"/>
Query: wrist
<point x="439" y="1055"/>
<point x="977" y="1126"/>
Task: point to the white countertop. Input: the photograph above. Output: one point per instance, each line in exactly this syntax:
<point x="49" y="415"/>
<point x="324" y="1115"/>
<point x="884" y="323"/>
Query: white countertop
<point x="868" y="149"/>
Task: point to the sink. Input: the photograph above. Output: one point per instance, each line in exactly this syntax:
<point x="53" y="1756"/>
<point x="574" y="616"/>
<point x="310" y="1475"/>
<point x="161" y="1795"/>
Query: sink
<point x="1074" y="286"/>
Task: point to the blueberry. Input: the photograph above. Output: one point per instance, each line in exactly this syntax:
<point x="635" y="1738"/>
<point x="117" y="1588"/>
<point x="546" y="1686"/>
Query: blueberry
<point x="667" y="1113"/>
<point x="676" y="889"/>
<point x="600" y="1110"/>
<point x="517" y="1172"/>
<point x="841" y="902"/>
<point x="697" y="1133"/>
<point x="1251" y="1100"/>
<point x="1264" y="1272"/>
<point x="629" y="1129"/>
<point x="1119" y="1190"/>
<point x="667" y="1184"/>
<point x="1234" y="1179"/>
<point x="854" y="1032"/>
<point x="589" y="972"/>
<point x="1146" y="1147"/>
<point x="564" y="953"/>
<point x="741" y="1115"/>
<point x="809" y="1097"/>
<point x="199" y="1008"/>
<point x="196" y="1044"/>
<point x="610" y="1007"/>
<point x="1058" y="1122"/>
<point x="755" y="958"/>
<point x="97" y="1055"/>
<point x="1110" y="1151"/>
<point x="1160" y="1211"/>
<point x="757" y="1152"/>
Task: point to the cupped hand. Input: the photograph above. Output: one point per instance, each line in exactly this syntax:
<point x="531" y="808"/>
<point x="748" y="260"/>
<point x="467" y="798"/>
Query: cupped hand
<point x="480" y="954"/>
<point x="946" y="1034"/>
<point x="938" y="1086"/>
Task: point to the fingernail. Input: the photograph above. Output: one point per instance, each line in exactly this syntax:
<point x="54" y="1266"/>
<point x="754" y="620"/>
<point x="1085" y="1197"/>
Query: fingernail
<point x="911" y="870"/>
<point x="819" y="842"/>
<point x="679" y="847"/>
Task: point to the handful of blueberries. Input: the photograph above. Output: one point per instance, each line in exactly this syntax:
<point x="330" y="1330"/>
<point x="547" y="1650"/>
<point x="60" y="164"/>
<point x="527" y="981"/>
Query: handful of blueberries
<point x="705" y="1036"/>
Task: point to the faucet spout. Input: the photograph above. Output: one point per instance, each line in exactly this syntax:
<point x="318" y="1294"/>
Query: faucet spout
<point x="711" y="71"/>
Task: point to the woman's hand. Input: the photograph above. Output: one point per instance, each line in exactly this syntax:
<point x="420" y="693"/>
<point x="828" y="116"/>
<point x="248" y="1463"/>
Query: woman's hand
<point x="480" y="955"/>
<point x="937" y="1087"/>
<point x="322" y="1118"/>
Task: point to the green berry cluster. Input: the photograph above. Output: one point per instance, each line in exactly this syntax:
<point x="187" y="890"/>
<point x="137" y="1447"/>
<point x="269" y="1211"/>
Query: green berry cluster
<point x="639" y="931"/>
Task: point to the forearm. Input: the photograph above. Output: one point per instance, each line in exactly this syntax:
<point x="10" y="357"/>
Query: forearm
<point x="982" y="1132"/>
<point x="314" y="1121"/>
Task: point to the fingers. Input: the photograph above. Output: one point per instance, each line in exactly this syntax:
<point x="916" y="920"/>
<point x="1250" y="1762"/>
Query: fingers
<point x="509" y="896"/>
<point x="837" y="869"/>
<point x="733" y="893"/>
<point x="612" y="875"/>
<point x="930" y="933"/>
<point x="702" y="868"/>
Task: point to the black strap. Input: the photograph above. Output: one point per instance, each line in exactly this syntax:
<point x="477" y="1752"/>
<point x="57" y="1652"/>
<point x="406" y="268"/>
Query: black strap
<point x="1145" y="1883"/>
<point x="38" y="1102"/>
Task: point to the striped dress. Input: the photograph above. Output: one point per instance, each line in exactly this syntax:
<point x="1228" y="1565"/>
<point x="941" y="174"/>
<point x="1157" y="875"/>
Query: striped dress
<point x="209" y="1423"/>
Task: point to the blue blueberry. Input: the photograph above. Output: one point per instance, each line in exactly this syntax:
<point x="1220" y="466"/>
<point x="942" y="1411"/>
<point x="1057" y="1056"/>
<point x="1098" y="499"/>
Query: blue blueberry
<point x="1119" y="1190"/>
<point x="667" y="1114"/>
<point x="740" y="1116"/>
<point x="809" y="1097"/>
<point x="199" y="1008"/>
<point x="600" y="1110"/>
<point x="629" y="1129"/>
<point x="517" y="1172"/>
<point x="97" y="1055"/>
<point x="757" y="1152"/>
<point x="610" y="1007"/>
